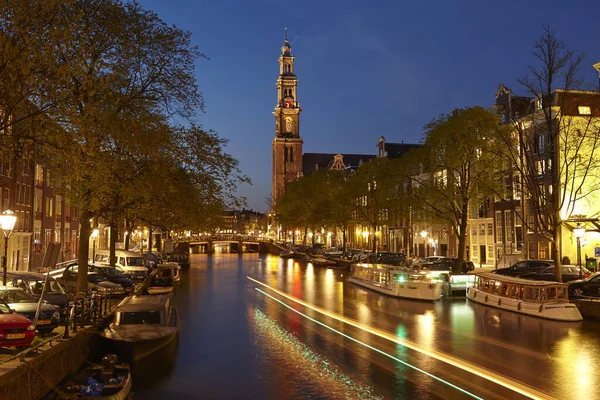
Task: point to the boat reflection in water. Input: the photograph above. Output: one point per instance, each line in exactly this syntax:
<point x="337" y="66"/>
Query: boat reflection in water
<point x="147" y="377"/>
<point x="303" y="366"/>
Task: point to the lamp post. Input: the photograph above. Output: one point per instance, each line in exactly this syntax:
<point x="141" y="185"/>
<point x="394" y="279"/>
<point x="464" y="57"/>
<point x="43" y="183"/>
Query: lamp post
<point x="579" y="232"/>
<point x="424" y="235"/>
<point x="94" y="236"/>
<point x="7" y="223"/>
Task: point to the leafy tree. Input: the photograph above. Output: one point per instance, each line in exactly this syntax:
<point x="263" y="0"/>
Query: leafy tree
<point x="461" y="165"/>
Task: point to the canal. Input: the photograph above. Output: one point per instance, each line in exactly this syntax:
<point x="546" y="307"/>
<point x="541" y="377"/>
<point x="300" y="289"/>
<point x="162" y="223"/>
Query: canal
<point x="240" y="339"/>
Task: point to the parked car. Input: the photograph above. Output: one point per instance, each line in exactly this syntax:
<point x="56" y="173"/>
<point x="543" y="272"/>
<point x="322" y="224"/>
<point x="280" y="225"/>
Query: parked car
<point x="386" y="257"/>
<point x="589" y="286"/>
<point x="96" y="282"/>
<point x="33" y="282"/>
<point x="15" y="329"/>
<point x="569" y="273"/>
<point x="427" y="260"/>
<point x="25" y="304"/>
<point x="448" y="264"/>
<point x="113" y="275"/>
<point x="523" y="267"/>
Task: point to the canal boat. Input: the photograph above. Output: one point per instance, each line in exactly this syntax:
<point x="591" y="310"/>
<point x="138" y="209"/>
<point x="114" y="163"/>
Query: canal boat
<point x="154" y="290"/>
<point x="109" y="380"/>
<point x="543" y="299"/>
<point x="322" y="262"/>
<point x="396" y="281"/>
<point x="141" y="326"/>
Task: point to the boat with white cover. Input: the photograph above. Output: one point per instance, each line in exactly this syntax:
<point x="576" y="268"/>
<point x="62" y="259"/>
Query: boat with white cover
<point x="396" y="281"/>
<point x="142" y="325"/>
<point x="543" y="299"/>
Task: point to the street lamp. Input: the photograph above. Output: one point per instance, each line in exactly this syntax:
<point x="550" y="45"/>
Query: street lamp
<point x="94" y="236"/>
<point x="424" y="235"/>
<point x="7" y="223"/>
<point x="579" y="232"/>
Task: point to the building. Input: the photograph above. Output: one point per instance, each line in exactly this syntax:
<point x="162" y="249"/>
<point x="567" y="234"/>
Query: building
<point x="287" y="144"/>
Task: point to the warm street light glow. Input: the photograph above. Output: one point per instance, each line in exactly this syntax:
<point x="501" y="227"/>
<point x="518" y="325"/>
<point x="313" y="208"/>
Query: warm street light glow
<point x="423" y="234"/>
<point x="7" y="223"/>
<point x="579" y="231"/>
<point x="365" y="234"/>
<point x="95" y="233"/>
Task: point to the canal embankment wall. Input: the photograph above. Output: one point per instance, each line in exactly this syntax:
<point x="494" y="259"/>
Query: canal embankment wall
<point x="34" y="377"/>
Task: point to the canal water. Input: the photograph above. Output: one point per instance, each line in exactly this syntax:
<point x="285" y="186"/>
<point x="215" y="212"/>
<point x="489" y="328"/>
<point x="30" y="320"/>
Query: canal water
<point x="240" y="339"/>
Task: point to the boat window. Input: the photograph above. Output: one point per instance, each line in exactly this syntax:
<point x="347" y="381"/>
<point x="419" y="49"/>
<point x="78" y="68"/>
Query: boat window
<point x="551" y="293"/>
<point x="142" y="317"/>
<point x="486" y="285"/>
<point x="561" y="293"/>
<point x="504" y="290"/>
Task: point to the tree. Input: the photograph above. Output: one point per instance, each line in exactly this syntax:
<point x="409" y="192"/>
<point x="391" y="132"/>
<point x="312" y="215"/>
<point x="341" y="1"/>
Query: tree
<point x="555" y="153"/>
<point x="460" y="166"/>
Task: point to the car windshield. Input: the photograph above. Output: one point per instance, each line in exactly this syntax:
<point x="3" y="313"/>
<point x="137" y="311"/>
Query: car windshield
<point x="135" y="262"/>
<point x="96" y="278"/>
<point x="52" y="287"/>
<point x="16" y="296"/>
<point x="108" y="272"/>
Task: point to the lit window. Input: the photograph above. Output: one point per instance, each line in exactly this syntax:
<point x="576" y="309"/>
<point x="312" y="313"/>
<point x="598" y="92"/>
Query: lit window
<point x="584" y="110"/>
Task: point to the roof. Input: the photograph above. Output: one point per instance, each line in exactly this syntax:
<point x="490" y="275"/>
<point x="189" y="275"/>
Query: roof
<point x="310" y="161"/>
<point x="510" y="279"/>
<point x="143" y="303"/>
<point x="397" y="150"/>
<point x="27" y="275"/>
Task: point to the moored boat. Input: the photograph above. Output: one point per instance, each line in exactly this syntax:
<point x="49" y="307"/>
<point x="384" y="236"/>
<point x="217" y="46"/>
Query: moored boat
<point x="153" y="290"/>
<point x="141" y="326"/>
<point x="543" y="299"/>
<point x="109" y="380"/>
<point x="322" y="262"/>
<point x="396" y="281"/>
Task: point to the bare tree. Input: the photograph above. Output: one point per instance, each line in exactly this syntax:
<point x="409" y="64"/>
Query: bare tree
<point x="553" y="149"/>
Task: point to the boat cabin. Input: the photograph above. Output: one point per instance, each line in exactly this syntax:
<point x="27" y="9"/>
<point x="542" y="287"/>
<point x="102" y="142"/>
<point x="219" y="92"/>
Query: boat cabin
<point x="522" y="289"/>
<point x="141" y="310"/>
<point x="385" y="275"/>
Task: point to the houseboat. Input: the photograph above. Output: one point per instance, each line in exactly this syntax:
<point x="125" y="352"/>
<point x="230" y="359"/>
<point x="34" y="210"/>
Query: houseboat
<point x="396" y="281"/>
<point x="541" y="299"/>
<point x="141" y="326"/>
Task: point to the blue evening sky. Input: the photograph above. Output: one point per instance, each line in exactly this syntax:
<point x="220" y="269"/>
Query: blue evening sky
<point x="365" y="68"/>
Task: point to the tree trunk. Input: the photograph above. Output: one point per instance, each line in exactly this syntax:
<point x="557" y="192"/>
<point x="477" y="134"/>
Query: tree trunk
<point x="344" y="238"/>
<point x="84" y="252"/>
<point x="114" y="232"/>
<point x="305" y="234"/>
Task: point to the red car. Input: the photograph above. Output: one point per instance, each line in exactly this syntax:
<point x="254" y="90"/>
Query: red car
<point x="15" y="329"/>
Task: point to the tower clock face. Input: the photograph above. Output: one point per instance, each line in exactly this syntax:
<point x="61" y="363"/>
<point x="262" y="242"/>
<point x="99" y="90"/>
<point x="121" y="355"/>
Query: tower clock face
<point x="289" y="123"/>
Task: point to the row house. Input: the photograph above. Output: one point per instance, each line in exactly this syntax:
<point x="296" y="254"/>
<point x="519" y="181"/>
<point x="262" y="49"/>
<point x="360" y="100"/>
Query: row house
<point x="43" y="215"/>
<point x="504" y="230"/>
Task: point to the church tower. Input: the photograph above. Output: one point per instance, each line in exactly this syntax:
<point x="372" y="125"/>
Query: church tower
<point x="287" y="144"/>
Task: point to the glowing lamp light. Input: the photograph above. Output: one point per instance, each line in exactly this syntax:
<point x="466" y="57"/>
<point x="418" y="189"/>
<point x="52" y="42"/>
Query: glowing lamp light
<point x="95" y="233"/>
<point x="310" y="234"/>
<point x="423" y="234"/>
<point x="365" y="234"/>
<point x="8" y="220"/>
<point x="579" y="231"/>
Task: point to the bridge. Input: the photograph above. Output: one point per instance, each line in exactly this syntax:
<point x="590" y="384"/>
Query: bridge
<point x="231" y="244"/>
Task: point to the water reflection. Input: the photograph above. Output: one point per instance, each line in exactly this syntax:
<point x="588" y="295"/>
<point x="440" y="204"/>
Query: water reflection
<point x="228" y="353"/>
<point x="312" y="373"/>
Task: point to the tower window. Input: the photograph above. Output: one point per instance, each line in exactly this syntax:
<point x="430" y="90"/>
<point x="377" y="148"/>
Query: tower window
<point x="285" y="154"/>
<point x="291" y="154"/>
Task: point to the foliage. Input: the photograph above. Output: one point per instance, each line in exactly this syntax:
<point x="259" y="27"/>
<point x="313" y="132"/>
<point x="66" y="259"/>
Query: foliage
<point x="460" y="166"/>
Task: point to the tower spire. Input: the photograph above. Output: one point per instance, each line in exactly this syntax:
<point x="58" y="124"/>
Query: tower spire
<point x="286" y="37"/>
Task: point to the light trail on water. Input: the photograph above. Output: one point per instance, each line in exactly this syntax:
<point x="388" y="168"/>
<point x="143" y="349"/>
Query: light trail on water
<point x="446" y="358"/>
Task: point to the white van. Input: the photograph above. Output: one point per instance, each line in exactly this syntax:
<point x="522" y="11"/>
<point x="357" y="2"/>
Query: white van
<point x="128" y="262"/>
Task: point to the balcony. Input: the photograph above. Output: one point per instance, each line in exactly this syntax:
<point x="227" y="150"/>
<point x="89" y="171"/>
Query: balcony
<point x="59" y="218"/>
<point x="39" y="184"/>
<point x="38" y="215"/>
